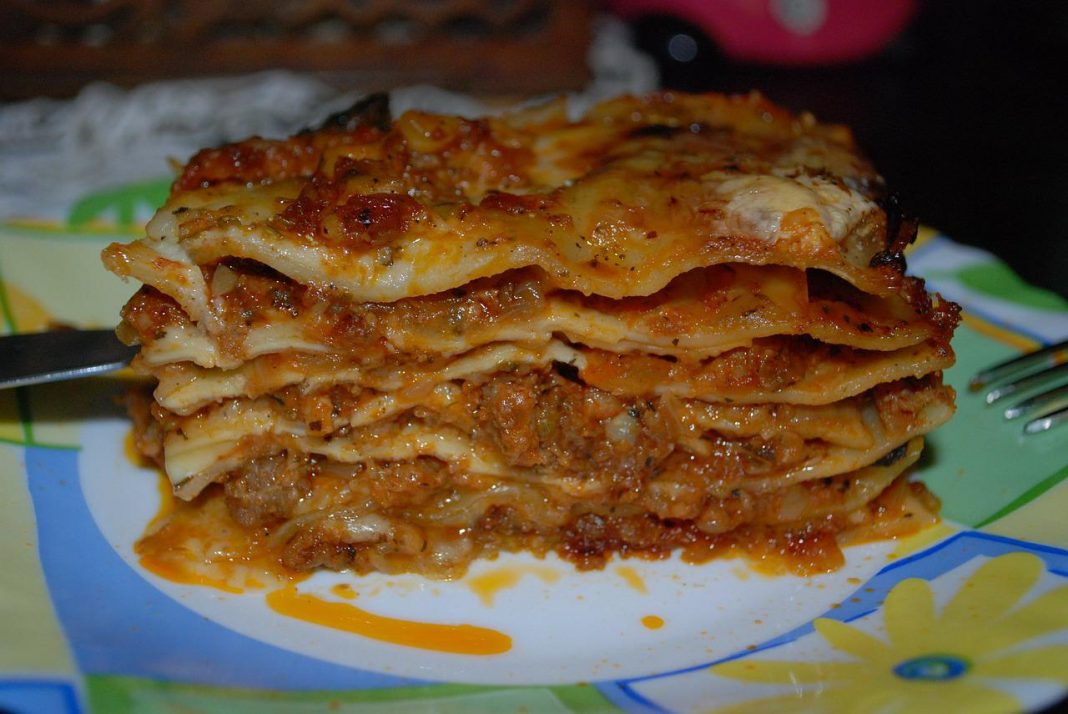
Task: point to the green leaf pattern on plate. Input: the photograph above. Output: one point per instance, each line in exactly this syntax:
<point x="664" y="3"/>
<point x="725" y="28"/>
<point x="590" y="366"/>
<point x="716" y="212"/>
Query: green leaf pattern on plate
<point x="997" y="280"/>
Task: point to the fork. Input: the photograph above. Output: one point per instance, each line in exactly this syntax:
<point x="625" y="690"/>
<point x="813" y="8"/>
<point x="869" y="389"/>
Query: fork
<point x="1028" y="373"/>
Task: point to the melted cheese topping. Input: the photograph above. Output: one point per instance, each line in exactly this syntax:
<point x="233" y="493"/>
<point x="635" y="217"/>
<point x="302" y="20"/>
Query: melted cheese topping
<point x="616" y="203"/>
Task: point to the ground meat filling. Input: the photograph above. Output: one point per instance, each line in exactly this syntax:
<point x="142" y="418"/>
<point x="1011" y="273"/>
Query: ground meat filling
<point x="592" y="474"/>
<point x="384" y="516"/>
<point x="544" y="421"/>
<point x="269" y="489"/>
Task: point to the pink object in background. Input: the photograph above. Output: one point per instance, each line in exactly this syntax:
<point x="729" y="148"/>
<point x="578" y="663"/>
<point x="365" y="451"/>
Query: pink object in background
<point x="798" y="32"/>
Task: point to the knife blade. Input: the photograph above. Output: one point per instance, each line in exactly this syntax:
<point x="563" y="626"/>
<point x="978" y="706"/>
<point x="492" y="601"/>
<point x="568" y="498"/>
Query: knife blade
<point x="38" y="357"/>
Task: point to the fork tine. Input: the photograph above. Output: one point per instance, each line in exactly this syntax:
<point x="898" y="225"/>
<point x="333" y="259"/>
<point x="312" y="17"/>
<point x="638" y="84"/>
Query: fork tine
<point x="1047" y="356"/>
<point x="1047" y="422"/>
<point x="1051" y="401"/>
<point x="1029" y="382"/>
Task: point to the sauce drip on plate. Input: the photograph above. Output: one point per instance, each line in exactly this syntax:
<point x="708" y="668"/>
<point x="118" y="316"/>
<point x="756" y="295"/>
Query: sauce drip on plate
<point x="455" y="639"/>
<point x="487" y="585"/>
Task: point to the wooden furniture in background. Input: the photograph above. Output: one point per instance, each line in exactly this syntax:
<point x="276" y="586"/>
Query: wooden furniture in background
<point x="53" y="47"/>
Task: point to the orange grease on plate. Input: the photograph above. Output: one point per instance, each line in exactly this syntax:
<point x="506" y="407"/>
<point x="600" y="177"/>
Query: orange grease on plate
<point x="168" y="504"/>
<point x="653" y="622"/>
<point x="199" y="545"/>
<point x="456" y="639"/>
<point x="630" y="575"/>
<point x="164" y="551"/>
<point x="488" y="584"/>
<point x="137" y="459"/>
<point x="343" y="590"/>
<point x="177" y="574"/>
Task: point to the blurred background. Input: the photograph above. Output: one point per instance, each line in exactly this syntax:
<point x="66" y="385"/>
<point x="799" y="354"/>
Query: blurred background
<point x="961" y="105"/>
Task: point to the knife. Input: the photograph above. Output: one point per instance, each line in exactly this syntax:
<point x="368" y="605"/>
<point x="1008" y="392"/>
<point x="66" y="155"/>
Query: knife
<point x="34" y="358"/>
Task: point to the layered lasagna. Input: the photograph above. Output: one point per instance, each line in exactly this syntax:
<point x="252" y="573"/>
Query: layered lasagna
<point x="401" y="343"/>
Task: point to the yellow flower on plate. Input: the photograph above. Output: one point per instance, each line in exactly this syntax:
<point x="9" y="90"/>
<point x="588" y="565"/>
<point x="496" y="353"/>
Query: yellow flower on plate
<point x="929" y="662"/>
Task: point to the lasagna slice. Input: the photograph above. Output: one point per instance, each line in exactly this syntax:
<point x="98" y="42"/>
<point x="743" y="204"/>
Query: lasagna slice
<point x="394" y="344"/>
